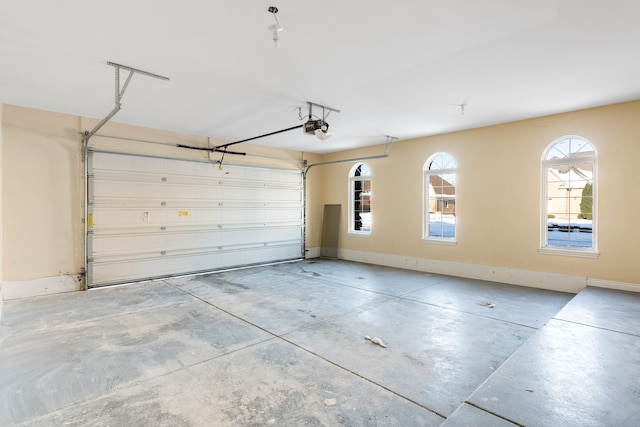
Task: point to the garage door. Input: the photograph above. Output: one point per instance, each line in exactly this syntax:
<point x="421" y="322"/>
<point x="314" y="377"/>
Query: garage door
<point x="151" y="217"/>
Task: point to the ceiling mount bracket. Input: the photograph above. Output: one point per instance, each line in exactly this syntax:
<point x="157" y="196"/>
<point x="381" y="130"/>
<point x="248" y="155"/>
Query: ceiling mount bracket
<point x="119" y="93"/>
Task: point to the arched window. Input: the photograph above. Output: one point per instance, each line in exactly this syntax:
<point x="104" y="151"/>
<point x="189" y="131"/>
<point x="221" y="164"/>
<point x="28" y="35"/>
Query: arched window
<point x="439" y="210"/>
<point x="569" y="168"/>
<point x="360" y="199"/>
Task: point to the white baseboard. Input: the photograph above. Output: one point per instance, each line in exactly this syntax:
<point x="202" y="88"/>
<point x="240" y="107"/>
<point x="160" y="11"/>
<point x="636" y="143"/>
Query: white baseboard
<point x="45" y="286"/>
<point x="534" y="279"/>
<point x="312" y="252"/>
<point x="610" y="284"/>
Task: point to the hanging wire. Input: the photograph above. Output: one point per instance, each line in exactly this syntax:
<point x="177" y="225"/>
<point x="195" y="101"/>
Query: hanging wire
<point x="274" y="10"/>
<point x="221" y="160"/>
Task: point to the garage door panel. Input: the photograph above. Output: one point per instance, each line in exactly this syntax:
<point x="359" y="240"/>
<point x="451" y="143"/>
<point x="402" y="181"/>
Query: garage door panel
<point x="107" y="273"/>
<point x="141" y="202"/>
<point x="106" y="245"/>
<point x="227" y="180"/>
<point x="221" y="218"/>
<point x="126" y="165"/>
<point x="220" y="251"/>
<point x="128" y="191"/>
<point x="152" y="217"/>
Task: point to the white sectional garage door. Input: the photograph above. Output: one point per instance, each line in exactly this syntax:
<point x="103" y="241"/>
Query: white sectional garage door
<point x="151" y="217"/>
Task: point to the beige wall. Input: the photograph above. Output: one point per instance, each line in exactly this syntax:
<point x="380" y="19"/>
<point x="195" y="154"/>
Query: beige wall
<point x="42" y="194"/>
<point x="499" y="194"/>
<point x="43" y="191"/>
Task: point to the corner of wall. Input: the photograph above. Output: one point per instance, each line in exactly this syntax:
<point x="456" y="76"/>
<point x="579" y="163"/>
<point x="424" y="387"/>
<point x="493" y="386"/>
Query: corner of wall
<point x="312" y="253"/>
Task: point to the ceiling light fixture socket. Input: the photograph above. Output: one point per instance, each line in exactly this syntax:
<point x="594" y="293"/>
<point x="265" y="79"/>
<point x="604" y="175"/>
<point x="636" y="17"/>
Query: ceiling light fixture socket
<point x="275" y="28"/>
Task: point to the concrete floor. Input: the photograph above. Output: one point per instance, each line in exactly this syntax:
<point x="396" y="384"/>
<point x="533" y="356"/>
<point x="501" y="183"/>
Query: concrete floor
<point x="284" y="345"/>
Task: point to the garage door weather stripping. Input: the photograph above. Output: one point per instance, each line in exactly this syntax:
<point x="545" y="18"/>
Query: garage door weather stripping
<point x="156" y="217"/>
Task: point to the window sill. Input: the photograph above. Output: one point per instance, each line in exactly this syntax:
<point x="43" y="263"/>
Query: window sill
<point x="359" y="234"/>
<point x="570" y="252"/>
<point x="446" y="242"/>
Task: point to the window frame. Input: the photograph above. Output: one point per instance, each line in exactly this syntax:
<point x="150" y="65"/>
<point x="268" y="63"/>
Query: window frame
<point x="574" y="251"/>
<point x="426" y="211"/>
<point x="353" y="178"/>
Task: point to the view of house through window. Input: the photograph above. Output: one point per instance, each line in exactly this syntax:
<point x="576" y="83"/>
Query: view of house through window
<point x="440" y="197"/>
<point x="360" y="192"/>
<point x="569" y="194"/>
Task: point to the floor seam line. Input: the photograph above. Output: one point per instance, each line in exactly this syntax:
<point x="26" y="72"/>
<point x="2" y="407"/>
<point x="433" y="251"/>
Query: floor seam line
<point x="433" y="411"/>
<point x="601" y="328"/>
<point x="273" y="334"/>
<point x="493" y="413"/>
<point x="323" y="279"/>
<point x="473" y="314"/>
<point x="281" y="337"/>
<point x="402" y="296"/>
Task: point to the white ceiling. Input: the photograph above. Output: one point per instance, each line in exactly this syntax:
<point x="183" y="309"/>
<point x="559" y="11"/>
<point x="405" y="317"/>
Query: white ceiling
<point x="398" y="68"/>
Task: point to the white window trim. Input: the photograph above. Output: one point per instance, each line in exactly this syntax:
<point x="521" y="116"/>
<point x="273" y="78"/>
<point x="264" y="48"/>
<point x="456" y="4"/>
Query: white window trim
<point x="352" y="178"/>
<point x="577" y="252"/>
<point x="356" y="233"/>
<point x="447" y="241"/>
<point x="566" y="251"/>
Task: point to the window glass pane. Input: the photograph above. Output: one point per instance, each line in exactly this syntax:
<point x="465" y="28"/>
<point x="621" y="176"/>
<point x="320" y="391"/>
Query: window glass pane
<point x="556" y="182"/>
<point x="360" y="213"/>
<point x="569" y="191"/>
<point x="448" y="162"/>
<point x="442" y="161"/>
<point x="560" y="150"/>
<point x="440" y="200"/>
<point x="583" y="170"/>
<point x="448" y="179"/>
<point x="363" y="170"/>
<point x="580" y="146"/>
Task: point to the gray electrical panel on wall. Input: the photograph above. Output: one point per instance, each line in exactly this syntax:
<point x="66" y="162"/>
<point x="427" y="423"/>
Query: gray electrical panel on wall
<point x="330" y="231"/>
